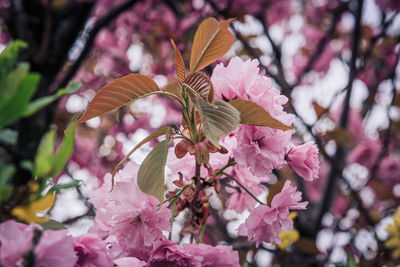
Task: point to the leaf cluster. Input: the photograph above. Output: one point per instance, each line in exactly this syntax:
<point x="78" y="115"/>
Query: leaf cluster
<point x="204" y="118"/>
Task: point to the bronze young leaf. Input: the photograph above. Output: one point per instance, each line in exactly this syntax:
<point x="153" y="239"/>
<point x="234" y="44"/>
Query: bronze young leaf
<point x="211" y="41"/>
<point x="179" y="64"/>
<point x="252" y="113"/>
<point x="200" y="83"/>
<point x="118" y="93"/>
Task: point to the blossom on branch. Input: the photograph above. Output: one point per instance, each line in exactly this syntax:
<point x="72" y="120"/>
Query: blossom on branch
<point x="129" y="214"/>
<point x="304" y="161"/>
<point x="265" y="223"/>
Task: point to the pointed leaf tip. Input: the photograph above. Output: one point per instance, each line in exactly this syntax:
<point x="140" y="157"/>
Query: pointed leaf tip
<point x="118" y="93"/>
<point x="151" y="172"/>
<point x="211" y="41"/>
<point x="253" y="114"/>
<point x="179" y="64"/>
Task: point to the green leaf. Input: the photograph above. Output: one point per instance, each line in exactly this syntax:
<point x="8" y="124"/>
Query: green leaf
<point x="15" y="107"/>
<point x="65" y="151"/>
<point x="8" y="57"/>
<point x="218" y="119"/>
<point x="26" y="165"/>
<point x="11" y="82"/>
<point x="9" y="79"/>
<point x="6" y="173"/>
<point x="162" y="131"/>
<point x="8" y="136"/>
<point x="5" y="192"/>
<point x="351" y="262"/>
<point x="53" y="225"/>
<point x="59" y="187"/>
<point x="44" y="157"/>
<point x="151" y="172"/>
<point x="252" y="113"/>
<point x="40" y="103"/>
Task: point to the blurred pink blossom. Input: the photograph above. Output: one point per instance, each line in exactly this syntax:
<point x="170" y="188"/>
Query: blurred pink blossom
<point x="389" y="170"/>
<point x="365" y="153"/>
<point x="54" y="248"/>
<point x="15" y="241"/>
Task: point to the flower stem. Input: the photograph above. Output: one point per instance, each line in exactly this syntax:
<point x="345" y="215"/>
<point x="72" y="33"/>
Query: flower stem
<point x="243" y="187"/>
<point x="174" y="196"/>
<point x="172" y="219"/>
<point x="229" y="164"/>
<point x="203" y="229"/>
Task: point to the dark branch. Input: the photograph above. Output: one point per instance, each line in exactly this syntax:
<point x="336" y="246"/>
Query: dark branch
<point x="100" y="24"/>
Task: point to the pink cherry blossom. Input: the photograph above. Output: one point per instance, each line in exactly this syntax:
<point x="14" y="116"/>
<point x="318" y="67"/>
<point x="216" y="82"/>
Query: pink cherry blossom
<point x="54" y="248"/>
<point x="304" y="160"/>
<point x="266" y="223"/>
<point x="388" y="4"/>
<point x="389" y="170"/>
<point x="355" y="124"/>
<point x="129" y="214"/>
<point x="261" y="148"/>
<point x="167" y="253"/>
<point x="129" y="262"/>
<point x="186" y="165"/>
<point x="365" y="153"/>
<point x="242" y="79"/>
<point x="91" y="251"/>
<point x="218" y="256"/>
<point x="239" y="200"/>
<point x="15" y="241"/>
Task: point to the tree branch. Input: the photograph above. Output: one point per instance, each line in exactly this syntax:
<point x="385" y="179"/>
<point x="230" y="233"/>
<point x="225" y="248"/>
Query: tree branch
<point x="99" y="25"/>
<point x="330" y="187"/>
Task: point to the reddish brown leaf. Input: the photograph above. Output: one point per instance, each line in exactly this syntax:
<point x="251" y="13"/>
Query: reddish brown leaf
<point x="211" y="41"/>
<point x="200" y="83"/>
<point x="182" y="148"/>
<point x="341" y="136"/>
<point x="319" y="110"/>
<point x="179" y="64"/>
<point x="173" y="88"/>
<point x="252" y="113"/>
<point x="118" y="93"/>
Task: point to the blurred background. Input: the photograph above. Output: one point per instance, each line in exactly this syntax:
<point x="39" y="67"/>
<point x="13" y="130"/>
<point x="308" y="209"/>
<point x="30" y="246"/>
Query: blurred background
<point x="336" y="61"/>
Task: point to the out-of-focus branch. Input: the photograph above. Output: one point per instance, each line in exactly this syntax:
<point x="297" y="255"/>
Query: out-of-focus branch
<point x="337" y="13"/>
<point x="330" y="187"/>
<point x="99" y="25"/>
<point x="386" y="139"/>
